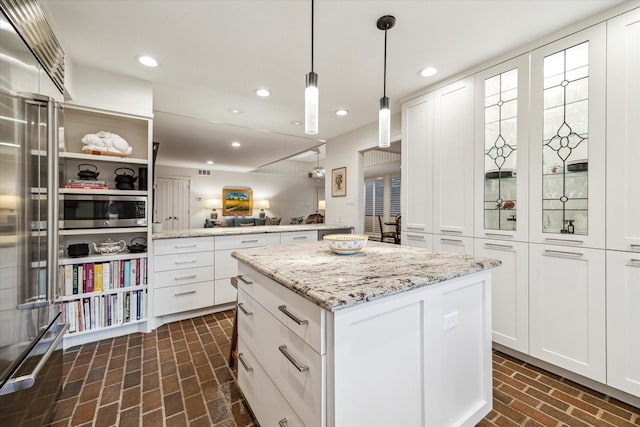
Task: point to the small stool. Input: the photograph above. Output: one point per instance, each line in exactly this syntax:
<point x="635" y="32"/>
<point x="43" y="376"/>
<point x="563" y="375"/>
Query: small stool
<point x="233" y="351"/>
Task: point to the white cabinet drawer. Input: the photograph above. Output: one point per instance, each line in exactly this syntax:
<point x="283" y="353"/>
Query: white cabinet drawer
<point x="225" y="292"/>
<point x="181" y="277"/>
<point x="183" y="261"/>
<point x="174" y="299"/>
<point x="299" y="237"/>
<point x="176" y="246"/>
<point x="247" y="241"/>
<point x="267" y="403"/>
<point x="417" y="240"/>
<point x="459" y="244"/>
<point x="301" y="316"/>
<point x="226" y="265"/>
<point x="294" y="367"/>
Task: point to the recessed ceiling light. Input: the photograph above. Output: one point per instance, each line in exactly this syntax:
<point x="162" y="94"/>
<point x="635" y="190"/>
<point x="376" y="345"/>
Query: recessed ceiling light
<point x="209" y="162"/>
<point x="428" y="72"/>
<point x="263" y="92"/>
<point x="148" y="61"/>
<point x="235" y="144"/>
<point x="342" y="112"/>
<point x="235" y="110"/>
<point x="296" y="123"/>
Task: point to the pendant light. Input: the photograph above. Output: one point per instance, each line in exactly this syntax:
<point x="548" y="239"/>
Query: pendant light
<point x="384" y="116"/>
<point x="311" y="93"/>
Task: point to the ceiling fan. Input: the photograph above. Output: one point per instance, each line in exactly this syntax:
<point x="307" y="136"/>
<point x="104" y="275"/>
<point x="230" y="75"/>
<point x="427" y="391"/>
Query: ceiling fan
<point x="317" y="171"/>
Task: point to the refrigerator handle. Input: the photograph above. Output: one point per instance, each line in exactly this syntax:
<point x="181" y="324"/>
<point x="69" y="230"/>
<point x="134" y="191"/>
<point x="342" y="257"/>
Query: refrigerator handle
<point x="27" y="381"/>
<point x="53" y="202"/>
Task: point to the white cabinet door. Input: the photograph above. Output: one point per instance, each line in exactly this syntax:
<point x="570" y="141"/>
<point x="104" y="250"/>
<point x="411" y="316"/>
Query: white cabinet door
<point x="417" y="240"/>
<point x="172" y="195"/>
<point x="509" y="292"/>
<point x="453" y="159"/>
<point x="501" y="151"/>
<point x="567" y="140"/>
<point x="461" y="245"/>
<point x="567" y="308"/>
<point x="623" y="132"/>
<point x="417" y="164"/>
<point x="623" y="321"/>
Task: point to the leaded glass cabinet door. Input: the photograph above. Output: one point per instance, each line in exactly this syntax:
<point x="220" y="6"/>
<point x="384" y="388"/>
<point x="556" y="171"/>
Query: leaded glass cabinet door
<point x="501" y="153"/>
<point x="567" y="142"/>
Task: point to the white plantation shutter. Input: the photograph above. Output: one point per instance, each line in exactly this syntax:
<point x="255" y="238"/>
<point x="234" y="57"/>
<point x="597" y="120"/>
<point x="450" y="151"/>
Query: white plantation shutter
<point x="394" y="203"/>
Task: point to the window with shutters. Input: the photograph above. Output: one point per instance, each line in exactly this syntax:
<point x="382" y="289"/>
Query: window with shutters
<point x="381" y="198"/>
<point x="394" y="199"/>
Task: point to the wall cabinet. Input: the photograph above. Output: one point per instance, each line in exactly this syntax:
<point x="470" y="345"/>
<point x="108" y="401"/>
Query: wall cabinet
<point x="567" y="308"/>
<point x="567" y="140"/>
<point x="623" y="132"/>
<point x="623" y="321"/>
<point x="453" y="159"/>
<point x="501" y="151"/>
<point x="509" y="291"/>
<point x="417" y="165"/>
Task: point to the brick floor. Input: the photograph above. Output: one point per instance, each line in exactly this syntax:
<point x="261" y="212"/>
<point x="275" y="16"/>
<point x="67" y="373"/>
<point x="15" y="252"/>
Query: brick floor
<point x="177" y="375"/>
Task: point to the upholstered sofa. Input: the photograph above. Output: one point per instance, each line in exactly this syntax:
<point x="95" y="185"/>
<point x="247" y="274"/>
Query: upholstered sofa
<point x="234" y="221"/>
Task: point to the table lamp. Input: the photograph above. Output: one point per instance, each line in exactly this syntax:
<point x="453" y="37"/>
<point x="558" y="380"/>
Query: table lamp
<point x="262" y="204"/>
<point x="214" y="204"/>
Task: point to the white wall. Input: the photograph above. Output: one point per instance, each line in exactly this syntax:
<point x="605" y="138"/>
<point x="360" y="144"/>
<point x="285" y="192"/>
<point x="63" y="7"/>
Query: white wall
<point x="103" y="90"/>
<point x="288" y="196"/>
<point x="345" y="150"/>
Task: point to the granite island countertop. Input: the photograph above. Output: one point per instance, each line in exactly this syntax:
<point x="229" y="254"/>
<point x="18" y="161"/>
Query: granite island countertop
<point x="335" y="281"/>
<point x="228" y="231"/>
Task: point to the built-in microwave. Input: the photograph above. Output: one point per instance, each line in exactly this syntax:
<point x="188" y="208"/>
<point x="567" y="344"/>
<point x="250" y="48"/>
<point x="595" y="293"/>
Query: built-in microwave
<point x="102" y="211"/>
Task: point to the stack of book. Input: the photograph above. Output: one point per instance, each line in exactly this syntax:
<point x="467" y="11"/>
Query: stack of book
<point x="87" y="184"/>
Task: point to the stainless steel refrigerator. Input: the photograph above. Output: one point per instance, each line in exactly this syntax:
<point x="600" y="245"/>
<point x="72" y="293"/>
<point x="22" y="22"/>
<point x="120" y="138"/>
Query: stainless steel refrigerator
<point x="31" y="324"/>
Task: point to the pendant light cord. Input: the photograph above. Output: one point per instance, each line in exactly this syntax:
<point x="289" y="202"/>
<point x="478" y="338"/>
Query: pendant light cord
<point x="384" y="85"/>
<point x="312" y="1"/>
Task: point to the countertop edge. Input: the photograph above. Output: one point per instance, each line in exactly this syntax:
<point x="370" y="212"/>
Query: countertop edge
<point x="234" y="231"/>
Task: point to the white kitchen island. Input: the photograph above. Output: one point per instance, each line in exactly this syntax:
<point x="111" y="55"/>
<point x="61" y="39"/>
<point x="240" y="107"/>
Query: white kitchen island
<point x="391" y="336"/>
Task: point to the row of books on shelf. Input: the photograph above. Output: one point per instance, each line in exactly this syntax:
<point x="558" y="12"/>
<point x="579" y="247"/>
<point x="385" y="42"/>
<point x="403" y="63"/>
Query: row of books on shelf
<point x="102" y="311"/>
<point x="87" y="184"/>
<point x="98" y="277"/>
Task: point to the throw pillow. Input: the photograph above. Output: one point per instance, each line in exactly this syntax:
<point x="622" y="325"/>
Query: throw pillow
<point x="272" y="221"/>
<point x="260" y="221"/>
<point x="220" y="223"/>
<point x="248" y="224"/>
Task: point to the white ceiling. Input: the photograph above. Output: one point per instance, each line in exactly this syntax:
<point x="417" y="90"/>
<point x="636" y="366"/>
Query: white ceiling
<point x="214" y="54"/>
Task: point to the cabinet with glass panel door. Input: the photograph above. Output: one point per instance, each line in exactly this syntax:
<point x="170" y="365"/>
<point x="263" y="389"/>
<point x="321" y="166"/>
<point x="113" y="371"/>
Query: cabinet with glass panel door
<point x="568" y="141"/>
<point x="501" y="151"/>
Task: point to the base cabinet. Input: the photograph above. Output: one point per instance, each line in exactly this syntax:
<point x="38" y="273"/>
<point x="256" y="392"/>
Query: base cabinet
<point x="442" y="375"/>
<point x="509" y="291"/>
<point x="417" y="240"/>
<point x="623" y="321"/>
<point x="567" y="308"/>
<point x="461" y="245"/>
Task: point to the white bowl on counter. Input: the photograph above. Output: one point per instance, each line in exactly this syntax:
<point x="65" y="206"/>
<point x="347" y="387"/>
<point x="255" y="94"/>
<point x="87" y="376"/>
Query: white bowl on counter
<point x="345" y="244"/>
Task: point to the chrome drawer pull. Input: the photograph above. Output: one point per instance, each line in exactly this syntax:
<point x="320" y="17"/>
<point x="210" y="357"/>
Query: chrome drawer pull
<point x="504" y="236"/>
<point x="498" y="247"/>
<point x="244" y="363"/>
<point x="453" y="241"/>
<point x="448" y="230"/>
<point x="177" y="294"/>
<point x="191" y="261"/>
<point x="290" y="315"/>
<point x="191" y="276"/>
<point x="283" y="422"/>
<point x="415" y="236"/>
<point x="283" y="350"/>
<point x="563" y="254"/>
<point x="634" y="263"/>
<point x="566" y="242"/>
<point x="244" y="310"/>
<point x="299" y="238"/>
<point x="409" y="227"/>
<point x="250" y="241"/>
<point x="245" y="281"/>
<point x="185" y="246"/>
<point x="634" y="247"/>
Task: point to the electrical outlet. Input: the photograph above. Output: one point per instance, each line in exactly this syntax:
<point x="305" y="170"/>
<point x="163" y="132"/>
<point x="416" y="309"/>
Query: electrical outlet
<point x="450" y="320"/>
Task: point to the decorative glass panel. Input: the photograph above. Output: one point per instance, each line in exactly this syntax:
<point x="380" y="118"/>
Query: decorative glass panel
<point x="500" y="148"/>
<point x="565" y="141"/>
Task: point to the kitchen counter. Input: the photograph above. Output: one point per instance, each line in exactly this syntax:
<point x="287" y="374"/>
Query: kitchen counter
<point x="229" y="231"/>
<point x="338" y="281"/>
<point x="390" y="336"/>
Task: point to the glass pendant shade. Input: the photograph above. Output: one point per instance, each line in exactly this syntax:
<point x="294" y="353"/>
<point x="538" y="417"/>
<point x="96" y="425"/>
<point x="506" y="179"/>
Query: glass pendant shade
<point x="311" y="96"/>
<point x="384" y="123"/>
